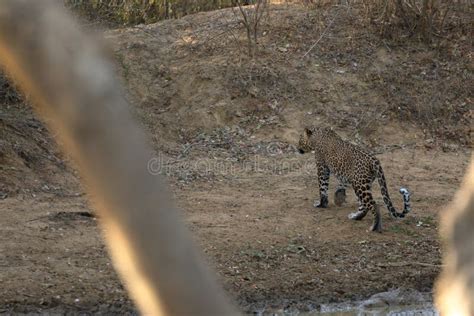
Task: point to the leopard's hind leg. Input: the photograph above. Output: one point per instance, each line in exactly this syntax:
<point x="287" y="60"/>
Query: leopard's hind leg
<point x="371" y="206"/>
<point x="366" y="204"/>
<point x="360" y="213"/>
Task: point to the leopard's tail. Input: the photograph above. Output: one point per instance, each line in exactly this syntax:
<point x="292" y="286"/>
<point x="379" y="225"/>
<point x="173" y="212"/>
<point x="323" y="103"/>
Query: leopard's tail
<point x="386" y="198"/>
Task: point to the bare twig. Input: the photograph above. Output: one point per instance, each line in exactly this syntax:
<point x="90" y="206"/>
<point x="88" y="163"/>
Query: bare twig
<point x="321" y="36"/>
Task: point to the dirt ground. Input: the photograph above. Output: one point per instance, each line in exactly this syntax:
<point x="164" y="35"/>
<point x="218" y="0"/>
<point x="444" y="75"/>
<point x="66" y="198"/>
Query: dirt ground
<point x="224" y="128"/>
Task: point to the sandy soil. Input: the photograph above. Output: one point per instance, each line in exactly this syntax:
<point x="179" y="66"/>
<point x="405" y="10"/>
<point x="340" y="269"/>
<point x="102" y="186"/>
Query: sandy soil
<point x="258" y="229"/>
<point x="224" y="128"/>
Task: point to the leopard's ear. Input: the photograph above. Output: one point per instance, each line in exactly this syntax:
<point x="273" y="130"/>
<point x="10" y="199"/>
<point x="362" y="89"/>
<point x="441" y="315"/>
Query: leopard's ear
<point x="308" y="131"/>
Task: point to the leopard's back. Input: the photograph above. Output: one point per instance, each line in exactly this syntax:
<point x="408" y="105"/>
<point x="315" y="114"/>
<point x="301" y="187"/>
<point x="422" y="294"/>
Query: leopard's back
<point x="343" y="158"/>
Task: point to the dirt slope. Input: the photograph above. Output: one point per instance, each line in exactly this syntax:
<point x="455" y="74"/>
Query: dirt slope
<point x="224" y="128"/>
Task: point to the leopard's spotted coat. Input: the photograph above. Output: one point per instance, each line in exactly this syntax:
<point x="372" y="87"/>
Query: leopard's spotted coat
<point x="353" y="165"/>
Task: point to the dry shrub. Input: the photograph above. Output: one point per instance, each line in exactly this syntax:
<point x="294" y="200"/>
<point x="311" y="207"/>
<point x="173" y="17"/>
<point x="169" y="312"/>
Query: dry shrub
<point x="250" y="18"/>
<point x="425" y="19"/>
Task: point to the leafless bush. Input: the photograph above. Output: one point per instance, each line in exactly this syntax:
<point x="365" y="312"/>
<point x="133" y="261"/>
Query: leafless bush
<point x="251" y="12"/>
<point x="424" y="18"/>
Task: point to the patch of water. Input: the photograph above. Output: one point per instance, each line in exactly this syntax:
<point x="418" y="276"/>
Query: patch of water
<point x="426" y="309"/>
<point x="399" y="302"/>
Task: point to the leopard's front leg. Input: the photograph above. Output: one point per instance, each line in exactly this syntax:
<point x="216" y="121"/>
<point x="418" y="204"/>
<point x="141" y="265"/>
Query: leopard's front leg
<point x="323" y="177"/>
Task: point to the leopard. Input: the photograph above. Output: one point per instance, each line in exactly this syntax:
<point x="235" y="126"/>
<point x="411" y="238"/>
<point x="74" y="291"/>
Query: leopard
<point x="352" y="165"/>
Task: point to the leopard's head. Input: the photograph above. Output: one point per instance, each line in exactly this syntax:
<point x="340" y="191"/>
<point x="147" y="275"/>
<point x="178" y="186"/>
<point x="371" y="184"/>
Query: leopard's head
<point x="304" y="144"/>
